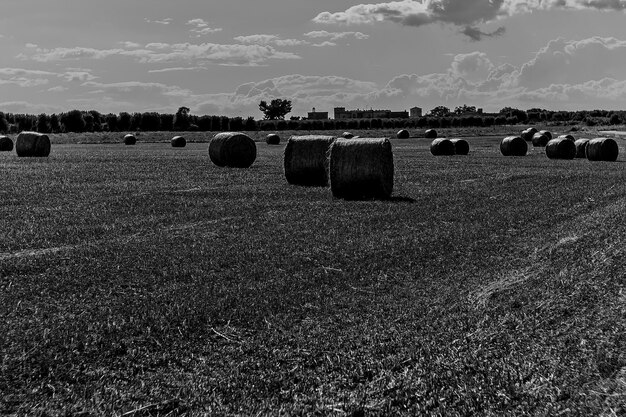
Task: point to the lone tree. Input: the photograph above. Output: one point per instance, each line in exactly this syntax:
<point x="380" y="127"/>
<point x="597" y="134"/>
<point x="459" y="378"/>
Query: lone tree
<point x="181" y="119"/>
<point x="440" y="111"/>
<point x="276" y="110"/>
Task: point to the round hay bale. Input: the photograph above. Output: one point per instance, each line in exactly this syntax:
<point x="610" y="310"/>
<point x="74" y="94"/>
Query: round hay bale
<point x="602" y="149"/>
<point x="568" y="137"/>
<point x="528" y="134"/>
<point x="347" y="135"/>
<point x="442" y="146"/>
<point x="32" y="144"/>
<point x="540" y="140"/>
<point x="513" y="146"/>
<point x="430" y="134"/>
<point x="130" y="139"/>
<point x="403" y="134"/>
<point x="6" y="144"/>
<point x="361" y="169"/>
<point x="546" y="133"/>
<point x="581" y="147"/>
<point x="178" y="142"/>
<point x="306" y="160"/>
<point x="232" y="149"/>
<point x="561" y="148"/>
<point x="461" y="146"/>
<point x="272" y="139"/>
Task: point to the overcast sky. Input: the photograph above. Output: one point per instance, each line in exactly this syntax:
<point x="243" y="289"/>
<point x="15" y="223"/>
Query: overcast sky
<point x="224" y="56"/>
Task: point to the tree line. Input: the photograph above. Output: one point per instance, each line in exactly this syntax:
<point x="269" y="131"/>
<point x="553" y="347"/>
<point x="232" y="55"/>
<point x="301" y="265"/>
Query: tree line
<point x="94" y="121"/>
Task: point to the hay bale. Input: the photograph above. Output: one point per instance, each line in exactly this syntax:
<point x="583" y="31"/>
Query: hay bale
<point x="581" y="148"/>
<point x="561" y="148"/>
<point x="130" y="139"/>
<point x="306" y="160"/>
<point x="461" y="146"/>
<point x="602" y="149"/>
<point x="347" y="135"/>
<point x="178" y="142"/>
<point x="513" y="146"/>
<point x="272" y="139"/>
<point x="540" y="140"/>
<point x="568" y="137"/>
<point x="361" y="168"/>
<point x="442" y="146"/>
<point x="232" y="149"/>
<point x="546" y="133"/>
<point x="403" y="134"/>
<point x="6" y="144"/>
<point x="528" y="134"/>
<point x="430" y="134"/>
<point x="32" y="144"/>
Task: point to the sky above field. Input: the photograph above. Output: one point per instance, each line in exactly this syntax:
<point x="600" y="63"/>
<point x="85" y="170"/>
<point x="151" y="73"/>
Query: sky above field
<point x="224" y="56"/>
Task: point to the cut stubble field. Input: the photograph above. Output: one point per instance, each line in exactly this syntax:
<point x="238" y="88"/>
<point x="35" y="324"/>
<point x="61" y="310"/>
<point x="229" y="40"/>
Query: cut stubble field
<point x="144" y="280"/>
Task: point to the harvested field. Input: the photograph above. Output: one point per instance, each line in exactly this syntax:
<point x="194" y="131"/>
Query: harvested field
<point x="146" y="278"/>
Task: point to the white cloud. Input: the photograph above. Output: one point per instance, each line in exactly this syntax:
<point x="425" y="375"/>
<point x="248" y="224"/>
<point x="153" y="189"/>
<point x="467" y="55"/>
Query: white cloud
<point x="463" y="13"/>
<point x="264" y="39"/>
<point x="201" y="27"/>
<point x="205" y="53"/>
<point x="334" y="36"/>
<point x="165" y="21"/>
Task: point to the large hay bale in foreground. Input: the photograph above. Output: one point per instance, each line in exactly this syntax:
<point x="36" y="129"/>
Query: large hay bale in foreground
<point x="430" y="134"/>
<point x="272" y="139"/>
<point x="6" y="144"/>
<point x="513" y="146"/>
<point x="442" y="146"/>
<point x="347" y="135"/>
<point x="403" y="134"/>
<point x="546" y="133"/>
<point x="232" y="149"/>
<point x="528" y="134"/>
<point x="361" y="169"/>
<point x="306" y="160"/>
<point x="540" y="140"/>
<point x="561" y="148"/>
<point x="461" y="146"/>
<point x="568" y="137"/>
<point x="581" y="147"/>
<point x="32" y="144"/>
<point x="178" y="142"/>
<point x="130" y="139"/>
<point x="602" y="149"/>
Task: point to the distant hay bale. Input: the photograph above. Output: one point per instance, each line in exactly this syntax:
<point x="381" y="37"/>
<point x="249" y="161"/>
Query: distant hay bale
<point x="232" y="149"/>
<point x="546" y="133"/>
<point x="178" y="142"/>
<point x="461" y="146"/>
<point x="568" y="137"/>
<point x="403" y="134"/>
<point x="442" y="146"/>
<point x="581" y="147"/>
<point x="130" y="139"/>
<point x="6" y="144"/>
<point x="347" y="135"/>
<point x="306" y="160"/>
<point x="540" y="140"/>
<point x="513" y="146"/>
<point x="361" y="169"/>
<point x="430" y="134"/>
<point x="32" y="144"/>
<point x="561" y="148"/>
<point x="602" y="149"/>
<point x="528" y="134"/>
<point x="272" y="139"/>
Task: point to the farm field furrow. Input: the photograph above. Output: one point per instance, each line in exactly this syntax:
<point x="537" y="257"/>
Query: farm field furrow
<point x="145" y="276"/>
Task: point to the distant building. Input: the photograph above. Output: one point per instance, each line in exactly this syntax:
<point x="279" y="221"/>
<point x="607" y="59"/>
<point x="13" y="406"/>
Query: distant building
<point x="317" y="115"/>
<point x="342" y="113"/>
<point x="415" y="112"/>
